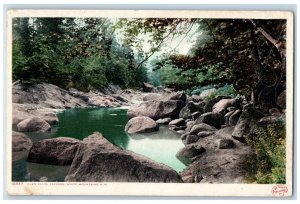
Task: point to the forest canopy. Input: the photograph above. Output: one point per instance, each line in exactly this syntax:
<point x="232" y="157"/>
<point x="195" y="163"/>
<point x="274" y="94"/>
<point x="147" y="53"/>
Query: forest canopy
<point x="75" y="52"/>
<point x="89" y="53"/>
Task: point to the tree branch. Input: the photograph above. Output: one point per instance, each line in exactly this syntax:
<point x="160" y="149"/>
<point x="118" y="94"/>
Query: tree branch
<point x="273" y="41"/>
<point x="157" y="47"/>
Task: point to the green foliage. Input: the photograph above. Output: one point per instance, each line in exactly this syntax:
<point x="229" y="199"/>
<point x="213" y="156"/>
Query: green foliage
<point x="72" y="52"/>
<point x="268" y="166"/>
<point x="199" y="90"/>
<point x="226" y="90"/>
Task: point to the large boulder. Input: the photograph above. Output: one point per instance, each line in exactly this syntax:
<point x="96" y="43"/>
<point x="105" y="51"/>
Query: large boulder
<point x="203" y="134"/>
<point x="56" y="151"/>
<point x="177" y="96"/>
<point x="195" y="98"/>
<point x="281" y="100"/>
<point x="189" y="125"/>
<point x="148" y="87"/>
<point x="156" y="109"/>
<point x="33" y="124"/>
<point x="209" y="105"/>
<point x="247" y="120"/>
<point x="225" y="144"/>
<point x="191" y="139"/>
<point x="97" y="160"/>
<point x="177" y="122"/>
<point x="141" y="124"/>
<point x="210" y="118"/>
<point x="222" y="105"/>
<point x="190" y="108"/>
<point x="190" y="151"/>
<point x="46" y="95"/>
<point x="180" y="96"/>
<point x="21" y="144"/>
<point x="50" y="118"/>
<point x="227" y="116"/>
<point x="185" y="113"/>
<point x="233" y="119"/>
<point x="201" y="127"/>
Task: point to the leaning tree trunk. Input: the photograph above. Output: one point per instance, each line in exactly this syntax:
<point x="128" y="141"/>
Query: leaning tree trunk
<point x="263" y="88"/>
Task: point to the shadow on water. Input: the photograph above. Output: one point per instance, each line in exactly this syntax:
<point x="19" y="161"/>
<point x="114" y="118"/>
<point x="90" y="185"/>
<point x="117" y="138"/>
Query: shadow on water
<point x="26" y="171"/>
<point x="79" y="123"/>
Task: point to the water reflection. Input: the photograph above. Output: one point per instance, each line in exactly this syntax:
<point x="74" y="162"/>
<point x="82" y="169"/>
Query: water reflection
<point x="79" y="123"/>
<point x="160" y="146"/>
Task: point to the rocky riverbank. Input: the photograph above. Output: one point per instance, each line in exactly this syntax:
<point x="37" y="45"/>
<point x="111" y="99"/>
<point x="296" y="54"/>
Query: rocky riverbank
<point x="214" y="133"/>
<point x="35" y="110"/>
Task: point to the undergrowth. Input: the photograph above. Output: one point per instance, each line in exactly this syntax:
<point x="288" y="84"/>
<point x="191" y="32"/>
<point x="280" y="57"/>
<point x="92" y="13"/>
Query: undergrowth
<point x="268" y="166"/>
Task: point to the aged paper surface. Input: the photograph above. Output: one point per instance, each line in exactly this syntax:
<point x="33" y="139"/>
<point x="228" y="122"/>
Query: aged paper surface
<point x="155" y="189"/>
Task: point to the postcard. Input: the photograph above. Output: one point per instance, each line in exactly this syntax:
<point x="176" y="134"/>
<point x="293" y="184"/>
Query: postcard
<point x="150" y="102"/>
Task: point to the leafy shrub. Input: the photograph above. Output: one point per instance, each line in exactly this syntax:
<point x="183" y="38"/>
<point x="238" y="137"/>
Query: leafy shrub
<point x="226" y="90"/>
<point x="268" y="165"/>
<point x="200" y="89"/>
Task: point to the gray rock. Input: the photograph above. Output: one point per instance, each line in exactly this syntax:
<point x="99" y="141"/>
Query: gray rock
<point x="56" y="151"/>
<point x="203" y="134"/>
<point x="154" y="97"/>
<point x="184" y="136"/>
<point x="231" y="108"/>
<point x="185" y="113"/>
<point x="177" y="122"/>
<point x="50" y="118"/>
<point x="210" y="118"/>
<point x="148" y="87"/>
<point x="191" y="139"/>
<point x="46" y="95"/>
<point x="120" y="98"/>
<point x="208" y="106"/>
<point x="175" y="128"/>
<point x="219" y="165"/>
<point x="33" y="124"/>
<point x="268" y="120"/>
<point x="141" y="124"/>
<point x="226" y="118"/>
<point x="156" y="109"/>
<point x="248" y="118"/>
<point x="225" y="144"/>
<point x="21" y="144"/>
<point x="233" y="119"/>
<point x="190" y="151"/>
<point x="178" y="96"/>
<point x="180" y="131"/>
<point x="281" y="100"/>
<point x="225" y="133"/>
<point x="97" y="160"/>
<point x="275" y="112"/>
<point x="196" y="115"/>
<point x="198" y="178"/>
<point x="191" y="107"/>
<point x="189" y="126"/>
<point x="163" y="121"/>
<point x="196" y="98"/>
<point x="188" y="120"/>
<point x="223" y="104"/>
<point x="201" y="127"/>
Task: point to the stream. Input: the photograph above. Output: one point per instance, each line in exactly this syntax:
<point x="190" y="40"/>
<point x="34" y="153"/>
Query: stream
<point x="160" y="146"/>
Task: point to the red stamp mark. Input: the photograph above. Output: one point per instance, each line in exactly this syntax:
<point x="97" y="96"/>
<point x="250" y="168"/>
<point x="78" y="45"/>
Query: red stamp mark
<point x="279" y="190"/>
